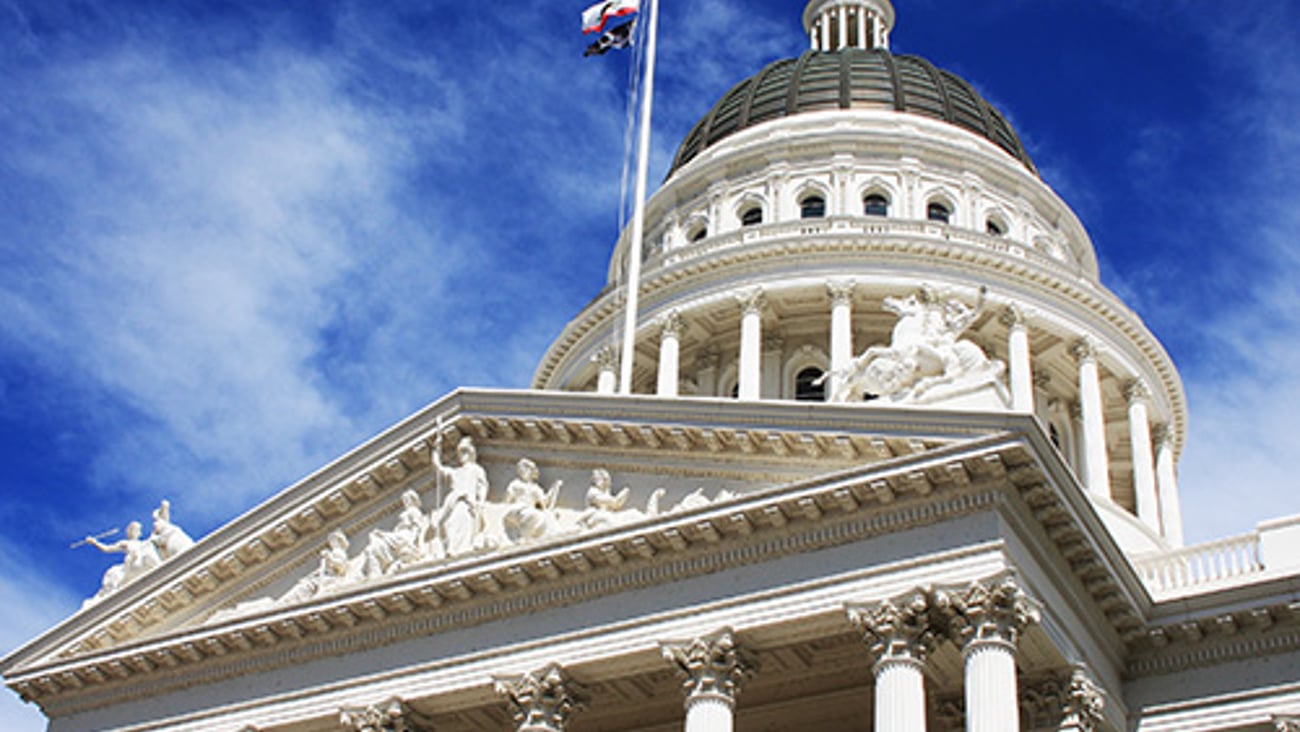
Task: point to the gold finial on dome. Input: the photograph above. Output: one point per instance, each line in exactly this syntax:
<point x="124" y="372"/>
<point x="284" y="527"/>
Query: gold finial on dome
<point x="836" y="24"/>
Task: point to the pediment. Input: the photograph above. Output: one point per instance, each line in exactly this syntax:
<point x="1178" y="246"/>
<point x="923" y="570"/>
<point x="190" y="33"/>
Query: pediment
<point x="258" y="581"/>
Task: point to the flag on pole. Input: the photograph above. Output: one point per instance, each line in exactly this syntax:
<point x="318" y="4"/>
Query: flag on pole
<point x="616" y="37"/>
<point x="595" y="17"/>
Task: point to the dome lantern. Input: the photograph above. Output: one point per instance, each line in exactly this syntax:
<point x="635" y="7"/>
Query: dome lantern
<point x="832" y="25"/>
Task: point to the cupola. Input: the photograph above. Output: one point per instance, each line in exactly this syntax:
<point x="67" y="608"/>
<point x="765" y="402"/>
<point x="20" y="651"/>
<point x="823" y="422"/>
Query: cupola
<point x="833" y="25"/>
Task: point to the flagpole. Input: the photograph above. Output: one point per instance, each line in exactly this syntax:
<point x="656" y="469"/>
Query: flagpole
<point x="638" y="215"/>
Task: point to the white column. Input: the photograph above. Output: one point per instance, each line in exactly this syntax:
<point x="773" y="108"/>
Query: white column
<point x="1094" y="425"/>
<point x="1171" y="513"/>
<point x="1144" y="470"/>
<point x="863" y="42"/>
<point x="900" y="637"/>
<point x="826" y="32"/>
<point x="712" y="669"/>
<point x="606" y="360"/>
<point x="751" y="343"/>
<point x="1021" y="370"/>
<point x="844" y="26"/>
<point x="994" y="614"/>
<point x="991" y="698"/>
<point x="669" y="354"/>
<point x="542" y="701"/>
<point x="841" y="331"/>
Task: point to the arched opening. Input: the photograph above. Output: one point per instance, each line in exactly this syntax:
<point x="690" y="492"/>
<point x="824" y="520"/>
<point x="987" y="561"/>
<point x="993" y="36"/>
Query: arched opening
<point x="812" y="207"/>
<point x="751" y="216"/>
<point x="697" y="233"/>
<point x="875" y="205"/>
<point x="806" y="388"/>
<point x="993" y="227"/>
<point x="938" y="211"/>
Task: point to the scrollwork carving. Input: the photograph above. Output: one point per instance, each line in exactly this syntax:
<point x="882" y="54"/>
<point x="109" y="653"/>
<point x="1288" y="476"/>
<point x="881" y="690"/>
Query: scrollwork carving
<point x="542" y="701"/>
<point x="899" y="628"/>
<point x="392" y="715"/>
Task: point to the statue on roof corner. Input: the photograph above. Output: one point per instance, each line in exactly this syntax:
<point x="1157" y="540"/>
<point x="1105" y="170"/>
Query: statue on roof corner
<point x="926" y="360"/>
<point x="168" y="538"/>
<point x="140" y="557"/>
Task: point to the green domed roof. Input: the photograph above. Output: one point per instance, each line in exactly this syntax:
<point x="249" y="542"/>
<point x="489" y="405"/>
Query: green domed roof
<point x="851" y="79"/>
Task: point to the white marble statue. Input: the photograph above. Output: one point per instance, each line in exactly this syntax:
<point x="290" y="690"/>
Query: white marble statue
<point x="168" y="538"/>
<point x="335" y="569"/>
<point x="459" y="521"/>
<point x="604" y="507"/>
<point x="926" y="360"/>
<point x="140" y="557"/>
<point x="531" y="515"/>
<point x="387" y="551"/>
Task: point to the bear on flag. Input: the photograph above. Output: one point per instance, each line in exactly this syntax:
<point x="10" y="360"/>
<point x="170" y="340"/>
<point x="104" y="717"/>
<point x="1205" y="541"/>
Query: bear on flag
<point x="595" y="17"/>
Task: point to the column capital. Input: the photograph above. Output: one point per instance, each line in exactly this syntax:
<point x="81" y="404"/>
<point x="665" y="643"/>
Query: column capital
<point x="995" y="610"/>
<point x="713" y="665"/>
<point x="1076" y="411"/>
<point x="896" y="629"/>
<point x="1084" y="349"/>
<point x="1161" y="436"/>
<point x="841" y="291"/>
<point x="1012" y="316"/>
<point x="773" y="343"/>
<point x="671" y="324"/>
<point x="752" y="300"/>
<point x="1084" y="700"/>
<point x="391" y="715"/>
<point x="606" y="358"/>
<point x="543" y="700"/>
<point x="1042" y="379"/>
<point x="1136" y="390"/>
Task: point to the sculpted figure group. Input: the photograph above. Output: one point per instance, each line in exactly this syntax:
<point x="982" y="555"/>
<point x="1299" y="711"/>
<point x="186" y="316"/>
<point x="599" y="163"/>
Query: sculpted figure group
<point x="140" y="555"/>
<point x="926" y="360"/>
<point x="465" y="522"/>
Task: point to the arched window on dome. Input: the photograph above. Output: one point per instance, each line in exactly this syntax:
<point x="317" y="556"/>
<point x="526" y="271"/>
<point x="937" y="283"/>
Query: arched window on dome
<point x="751" y="216"/>
<point x="938" y="211"/>
<point x="812" y="207"/>
<point x="697" y="233"/>
<point x="805" y="387"/>
<point x="875" y="205"/>
<point x="995" y="227"/>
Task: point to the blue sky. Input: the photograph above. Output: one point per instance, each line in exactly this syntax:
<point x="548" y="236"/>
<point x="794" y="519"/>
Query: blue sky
<point x="238" y="238"/>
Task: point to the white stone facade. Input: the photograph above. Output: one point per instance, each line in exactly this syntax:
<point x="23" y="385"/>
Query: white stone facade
<point x="993" y="543"/>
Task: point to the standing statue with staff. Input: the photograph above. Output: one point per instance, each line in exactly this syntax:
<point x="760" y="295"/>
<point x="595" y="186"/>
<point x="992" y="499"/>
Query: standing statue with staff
<point x="458" y="521"/>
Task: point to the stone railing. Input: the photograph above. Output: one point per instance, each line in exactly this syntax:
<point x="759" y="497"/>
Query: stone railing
<point x="1214" y="563"/>
<point x="849" y="226"/>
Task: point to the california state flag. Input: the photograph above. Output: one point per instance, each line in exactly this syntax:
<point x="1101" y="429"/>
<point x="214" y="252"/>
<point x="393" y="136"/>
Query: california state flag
<point x="595" y="17"/>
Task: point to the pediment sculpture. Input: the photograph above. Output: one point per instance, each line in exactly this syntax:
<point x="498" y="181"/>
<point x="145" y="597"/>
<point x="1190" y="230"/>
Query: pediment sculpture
<point x="465" y="522"/>
<point x="927" y="360"/>
<point x="139" y="555"/>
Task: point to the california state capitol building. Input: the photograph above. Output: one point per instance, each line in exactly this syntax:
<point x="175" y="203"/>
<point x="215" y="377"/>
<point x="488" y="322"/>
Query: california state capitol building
<point x="892" y="459"/>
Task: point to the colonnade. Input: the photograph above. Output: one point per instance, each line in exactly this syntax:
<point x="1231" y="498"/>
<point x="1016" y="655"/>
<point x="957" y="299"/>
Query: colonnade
<point x="985" y="619"/>
<point x="848" y="25"/>
<point x="1154" y="476"/>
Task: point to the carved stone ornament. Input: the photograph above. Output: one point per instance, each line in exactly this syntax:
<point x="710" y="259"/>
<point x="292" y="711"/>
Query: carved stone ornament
<point x="1136" y="391"/>
<point x="713" y="665"/>
<point x="1084" y="701"/>
<point x="140" y="555"/>
<point x="1084" y="349"/>
<point x="841" y="292"/>
<point x="606" y="359"/>
<point x="1287" y="722"/>
<point x="671" y="324"/>
<point x="752" y="300"/>
<point x="992" y="610"/>
<point x="392" y="715"/>
<point x="1012" y="317"/>
<point x="927" y="361"/>
<point x="543" y="700"/>
<point x="898" y="628"/>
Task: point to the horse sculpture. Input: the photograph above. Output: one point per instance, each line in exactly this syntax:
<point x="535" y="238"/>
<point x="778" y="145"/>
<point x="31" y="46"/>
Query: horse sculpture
<point x="925" y="359"/>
